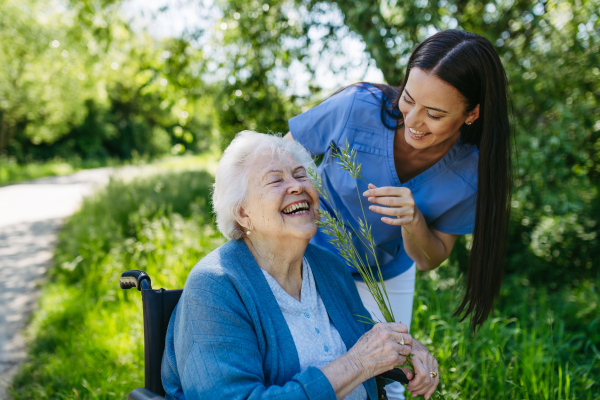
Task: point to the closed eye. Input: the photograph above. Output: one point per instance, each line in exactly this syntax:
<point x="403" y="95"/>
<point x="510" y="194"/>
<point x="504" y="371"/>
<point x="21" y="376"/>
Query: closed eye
<point x="429" y="115"/>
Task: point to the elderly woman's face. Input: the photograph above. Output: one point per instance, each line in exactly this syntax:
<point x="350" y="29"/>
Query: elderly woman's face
<point x="281" y="201"/>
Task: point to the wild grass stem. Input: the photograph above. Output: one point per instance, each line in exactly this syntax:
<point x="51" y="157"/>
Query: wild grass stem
<point x="341" y="238"/>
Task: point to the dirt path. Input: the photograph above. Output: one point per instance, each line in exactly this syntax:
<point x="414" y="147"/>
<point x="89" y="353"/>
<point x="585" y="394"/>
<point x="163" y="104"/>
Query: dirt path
<point x="30" y="215"/>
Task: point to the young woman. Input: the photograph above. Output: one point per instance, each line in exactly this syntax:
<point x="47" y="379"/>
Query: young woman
<point x="436" y="154"/>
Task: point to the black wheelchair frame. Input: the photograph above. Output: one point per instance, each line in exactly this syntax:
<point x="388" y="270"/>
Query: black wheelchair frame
<point x="158" y="306"/>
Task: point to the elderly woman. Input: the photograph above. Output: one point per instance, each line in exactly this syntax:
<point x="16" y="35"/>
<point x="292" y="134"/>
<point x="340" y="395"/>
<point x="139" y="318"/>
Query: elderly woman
<point x="268" y="315"/>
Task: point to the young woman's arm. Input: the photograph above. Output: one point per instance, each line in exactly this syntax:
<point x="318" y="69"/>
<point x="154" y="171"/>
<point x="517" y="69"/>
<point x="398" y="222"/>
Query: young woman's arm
<point x="398" y="207"/>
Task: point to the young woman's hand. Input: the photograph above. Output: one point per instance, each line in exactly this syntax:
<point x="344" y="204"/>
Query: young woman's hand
<point x="426" y="376"/>
<point x="397" y="203"/>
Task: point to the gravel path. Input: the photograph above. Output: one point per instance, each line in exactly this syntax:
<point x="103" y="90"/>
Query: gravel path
<point x="30" y="215"/>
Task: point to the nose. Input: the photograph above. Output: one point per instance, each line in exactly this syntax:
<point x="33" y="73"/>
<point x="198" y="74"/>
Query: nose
<point x="412" y="117"/>
<point x="295" y="186"/>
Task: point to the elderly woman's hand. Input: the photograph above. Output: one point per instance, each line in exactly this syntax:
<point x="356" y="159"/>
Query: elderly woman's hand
<point x="426" y="371"/>
<point x="379" y="350"/>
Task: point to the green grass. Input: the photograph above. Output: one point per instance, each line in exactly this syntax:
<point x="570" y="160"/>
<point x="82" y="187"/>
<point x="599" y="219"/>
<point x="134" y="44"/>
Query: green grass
<point x="86" y="338"/>
<point x="538" y="345"/>
<point x="12" y="172"/>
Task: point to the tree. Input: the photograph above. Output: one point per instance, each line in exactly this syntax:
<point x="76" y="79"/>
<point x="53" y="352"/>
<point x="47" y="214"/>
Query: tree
<point x="80" y="82"/>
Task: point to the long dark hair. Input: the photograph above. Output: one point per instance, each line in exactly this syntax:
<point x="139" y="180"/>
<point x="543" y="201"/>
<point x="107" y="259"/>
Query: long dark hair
<point x="469" y="63"/>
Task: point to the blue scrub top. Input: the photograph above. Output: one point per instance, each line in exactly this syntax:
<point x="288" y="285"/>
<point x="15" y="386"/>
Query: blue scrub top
<point x="446" y="193"/>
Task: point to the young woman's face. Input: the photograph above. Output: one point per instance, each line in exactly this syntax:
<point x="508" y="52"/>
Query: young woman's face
<point x="433" y="110"/>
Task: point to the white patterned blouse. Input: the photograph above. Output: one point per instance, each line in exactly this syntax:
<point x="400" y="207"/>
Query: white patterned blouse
<point x="317" y="340"/>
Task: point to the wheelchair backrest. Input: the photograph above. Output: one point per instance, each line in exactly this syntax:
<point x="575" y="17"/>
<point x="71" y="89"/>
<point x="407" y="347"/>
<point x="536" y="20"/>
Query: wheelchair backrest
<point x="158" y="307"/>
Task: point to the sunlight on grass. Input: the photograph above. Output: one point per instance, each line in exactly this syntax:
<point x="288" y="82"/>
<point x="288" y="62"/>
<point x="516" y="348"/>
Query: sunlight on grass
<point x="206" y="161"/>
<point x="11" y="172"/>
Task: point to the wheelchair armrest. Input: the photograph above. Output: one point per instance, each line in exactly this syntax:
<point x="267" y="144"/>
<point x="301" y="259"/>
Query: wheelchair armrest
<point x="144" y="394"/>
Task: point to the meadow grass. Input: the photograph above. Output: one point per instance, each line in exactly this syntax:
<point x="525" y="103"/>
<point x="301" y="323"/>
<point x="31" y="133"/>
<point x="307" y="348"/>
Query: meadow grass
<point x="87" y="337"/>
<point x="12" y="172"/>
<point x="538" y="344"/>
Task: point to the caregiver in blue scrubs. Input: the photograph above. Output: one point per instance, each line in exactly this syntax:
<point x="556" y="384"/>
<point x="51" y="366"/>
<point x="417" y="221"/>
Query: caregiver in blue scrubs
<point x="436" y="154"/>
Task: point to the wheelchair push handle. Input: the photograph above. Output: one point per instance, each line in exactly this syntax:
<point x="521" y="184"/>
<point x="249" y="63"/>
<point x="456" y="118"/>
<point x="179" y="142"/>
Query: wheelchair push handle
<point x="135" y="278"/>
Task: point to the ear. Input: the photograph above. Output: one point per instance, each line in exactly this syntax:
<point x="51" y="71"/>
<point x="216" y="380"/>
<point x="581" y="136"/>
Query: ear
<point x="243" y="218"/>
<point x="473" y="115"/>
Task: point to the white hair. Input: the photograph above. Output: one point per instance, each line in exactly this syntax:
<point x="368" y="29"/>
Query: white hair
<point x="231" y="179"/>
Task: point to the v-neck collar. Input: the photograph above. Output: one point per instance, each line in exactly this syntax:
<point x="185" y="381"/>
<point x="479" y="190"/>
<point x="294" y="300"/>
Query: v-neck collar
<point x="307" y="291"/>
<point x="457" y="150"/>
<point x="346" y="325"/>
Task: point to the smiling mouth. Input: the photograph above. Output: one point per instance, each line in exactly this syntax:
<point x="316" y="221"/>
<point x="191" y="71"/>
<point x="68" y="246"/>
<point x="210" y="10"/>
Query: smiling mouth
<point x="418" y="134"/>
<point x="296" y="208"/>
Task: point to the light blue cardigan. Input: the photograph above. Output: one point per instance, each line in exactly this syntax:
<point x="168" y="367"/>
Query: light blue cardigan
<point x="227" y="338"/>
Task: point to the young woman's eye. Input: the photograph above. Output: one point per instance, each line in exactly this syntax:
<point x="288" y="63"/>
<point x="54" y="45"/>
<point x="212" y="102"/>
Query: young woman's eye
<point x="433" y="116"/>
<point x="406" y="100"/>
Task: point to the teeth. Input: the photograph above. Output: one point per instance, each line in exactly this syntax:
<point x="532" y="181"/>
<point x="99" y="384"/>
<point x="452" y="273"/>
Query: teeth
<point x="294" y="207"/>
<point x="417" y="133"/>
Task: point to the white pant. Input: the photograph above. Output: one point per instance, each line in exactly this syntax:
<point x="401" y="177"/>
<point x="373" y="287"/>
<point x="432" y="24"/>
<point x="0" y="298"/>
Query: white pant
<point x="400" y="290"/>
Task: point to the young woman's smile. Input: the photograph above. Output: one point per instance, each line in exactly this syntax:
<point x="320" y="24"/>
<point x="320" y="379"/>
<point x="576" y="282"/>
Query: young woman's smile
<point x="417" y="135"/>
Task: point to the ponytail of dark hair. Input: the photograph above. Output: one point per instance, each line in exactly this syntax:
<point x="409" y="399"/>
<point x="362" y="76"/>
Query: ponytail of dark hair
<point x="469" y="63"/>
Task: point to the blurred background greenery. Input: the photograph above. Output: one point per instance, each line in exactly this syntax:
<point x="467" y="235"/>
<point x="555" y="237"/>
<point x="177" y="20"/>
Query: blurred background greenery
<point x="95" y="82"/>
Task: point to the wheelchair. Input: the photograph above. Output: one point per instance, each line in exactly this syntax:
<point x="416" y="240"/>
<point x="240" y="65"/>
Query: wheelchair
<point x="158" y="306"/>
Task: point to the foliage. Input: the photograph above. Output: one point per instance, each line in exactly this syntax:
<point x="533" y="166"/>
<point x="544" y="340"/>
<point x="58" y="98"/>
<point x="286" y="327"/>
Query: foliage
<point x="250" y="52"/>
<point x="36" y="97"/>
<point x="107" y="91"/>
<point x="88" y="334"/>
<point x="80" y="82"/>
